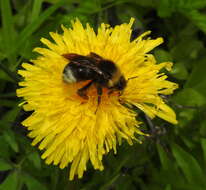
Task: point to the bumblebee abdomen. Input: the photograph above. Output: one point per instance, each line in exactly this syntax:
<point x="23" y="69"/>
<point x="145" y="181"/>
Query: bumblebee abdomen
<point x="75" y="73"/>
<point x="68" y="75"/>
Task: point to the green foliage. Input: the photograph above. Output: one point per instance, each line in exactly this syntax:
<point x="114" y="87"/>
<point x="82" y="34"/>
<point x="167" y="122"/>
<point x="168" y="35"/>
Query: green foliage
<point x="11" y="182"/>
<point x="189" y="166"/>
<point x="8" y="32"/>
<point x="173" y="158"/>
<point x="4" y="165"/>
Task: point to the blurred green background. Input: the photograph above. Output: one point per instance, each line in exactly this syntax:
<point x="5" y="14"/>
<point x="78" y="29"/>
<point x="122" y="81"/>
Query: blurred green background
<point x="173" y="157"/>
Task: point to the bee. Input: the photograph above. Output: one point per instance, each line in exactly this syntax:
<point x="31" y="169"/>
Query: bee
<point x="102" y="73"/>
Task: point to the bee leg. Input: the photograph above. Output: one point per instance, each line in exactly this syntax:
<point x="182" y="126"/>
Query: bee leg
<point x="113" y="90"/>
<point x="82" y="91"/>
<point x="110" y="92"/>
<point x="99" y="93"/>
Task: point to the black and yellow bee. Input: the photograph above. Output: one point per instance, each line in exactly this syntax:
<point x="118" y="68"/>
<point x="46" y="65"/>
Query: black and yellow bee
<point x="98" y="71"/>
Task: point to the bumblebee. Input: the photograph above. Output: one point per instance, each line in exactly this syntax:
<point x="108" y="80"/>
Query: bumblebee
<point x="98" y="71"/>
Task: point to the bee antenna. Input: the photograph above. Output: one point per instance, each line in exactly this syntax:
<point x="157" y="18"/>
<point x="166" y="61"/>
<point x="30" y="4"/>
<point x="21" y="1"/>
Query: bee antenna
<point x="132" y="78"/>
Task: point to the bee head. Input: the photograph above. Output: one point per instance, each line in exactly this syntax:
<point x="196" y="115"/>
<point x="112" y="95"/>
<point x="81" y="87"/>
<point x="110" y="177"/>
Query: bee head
<point x="121" y="84"/>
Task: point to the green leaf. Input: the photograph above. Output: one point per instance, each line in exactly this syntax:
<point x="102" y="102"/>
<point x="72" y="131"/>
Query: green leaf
<point x="145" y="3"/>
<point x="35" y="159"/>
<point x="189" y="166"/>
<point x="187" y="142"/>
<point x="182" y="54"/>
<point x="8" y="27"/>
<point x="31" y="28"/>
<point x="188" y="106"/>
<point x="86" y="7"/>
<point x="8" y="95"/>
<point x="166" y="163"/>
<point x="4" y="165"/>
<point x="36" y="9"/>
<point x="203" y="127"/>
<point x="194" y="98"/>
<point x="168" y="187"/>
<point x="10" y="183"/>
<point x="164" y="8"/>
<point x="197" y="79"/>
<point x="162" y="55"/>
<point x="32" y="183"/>
<point x="11" y="140"/>
<point x="5" y="77"/>
<point x="52" y="1"/>
<point x="7" y="103"/>
<point x="203" y="144"/>
<point x="187" y="5"/>
<point x="11" y="115"/>
<point x="179" y="71"/>
<point x="4" y="147"/>
<point x="197" y="18"/>
<point x="6" y="70"/>
<point x="185" y="116"/>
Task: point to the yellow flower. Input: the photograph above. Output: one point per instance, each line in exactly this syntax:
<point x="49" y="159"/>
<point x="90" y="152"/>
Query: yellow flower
<point x="66" y="125"/>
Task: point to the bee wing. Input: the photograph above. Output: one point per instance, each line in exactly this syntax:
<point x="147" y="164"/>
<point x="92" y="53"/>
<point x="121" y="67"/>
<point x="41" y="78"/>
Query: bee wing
<point x="87" y="64"/>
<point x="90" y="62"/>
<point x="72" y="56"/>
<point x="95" y="56"/>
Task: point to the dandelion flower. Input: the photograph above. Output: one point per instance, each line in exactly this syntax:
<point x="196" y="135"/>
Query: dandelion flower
<point x="65" y="125"/>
